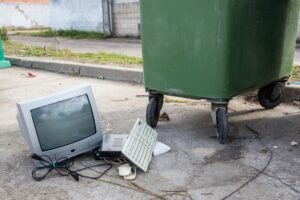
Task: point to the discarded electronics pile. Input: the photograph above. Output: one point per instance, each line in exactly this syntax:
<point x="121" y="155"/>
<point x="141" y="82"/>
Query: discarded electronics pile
<point x="59" y="127"/>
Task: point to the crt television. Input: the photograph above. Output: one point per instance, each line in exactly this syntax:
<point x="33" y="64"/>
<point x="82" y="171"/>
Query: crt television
<point x="65" y="124"/>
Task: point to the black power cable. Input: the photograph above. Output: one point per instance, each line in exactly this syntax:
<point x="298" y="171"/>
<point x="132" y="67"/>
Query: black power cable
<point x="259" y="137"/>
<point x="63" y="167"/>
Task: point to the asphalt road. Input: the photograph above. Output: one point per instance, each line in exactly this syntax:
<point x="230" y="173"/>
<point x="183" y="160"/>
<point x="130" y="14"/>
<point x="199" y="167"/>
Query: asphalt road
<point x="129" y="47"/>
<point x="197" y="163"/>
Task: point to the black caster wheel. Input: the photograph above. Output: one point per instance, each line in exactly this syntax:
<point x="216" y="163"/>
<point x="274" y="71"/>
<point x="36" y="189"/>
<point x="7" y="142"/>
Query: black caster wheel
<point x="160" y="100"/>
<point x="222" y="125"/>
<point x="271" y="96"/>
<point x="153" y="110"/>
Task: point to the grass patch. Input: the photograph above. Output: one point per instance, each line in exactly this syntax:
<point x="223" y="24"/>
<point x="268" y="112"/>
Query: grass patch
<point x="74" y="34"/>
<point x="172" y="100"/>
<point x="296" y="74"/>
<point x="17" y="49"/>
<point x="3" y="34"/>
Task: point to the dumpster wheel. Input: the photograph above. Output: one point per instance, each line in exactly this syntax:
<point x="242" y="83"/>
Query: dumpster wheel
<point x="153" y="110"/>
<point x="222" y="125"/>
<point x="271" y="96"/>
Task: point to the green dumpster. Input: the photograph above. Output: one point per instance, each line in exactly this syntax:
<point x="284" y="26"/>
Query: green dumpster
<point x="217" y="49"/>
<point x="3" y="63"/>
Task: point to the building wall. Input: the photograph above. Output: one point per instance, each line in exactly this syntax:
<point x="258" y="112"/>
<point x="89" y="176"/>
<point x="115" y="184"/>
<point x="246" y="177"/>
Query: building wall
<point x="125" y="17"/>
<point x="105" y="17"/>
<point x="57" y="14"/>
<point x="77" y="14"/>
<point x="24" y="13"/>
<point x="91" y="15"/>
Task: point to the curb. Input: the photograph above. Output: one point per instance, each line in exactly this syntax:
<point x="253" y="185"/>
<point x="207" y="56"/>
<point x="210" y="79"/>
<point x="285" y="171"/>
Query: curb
<point x="89" y="70"/>
<point x="291" y="92"/>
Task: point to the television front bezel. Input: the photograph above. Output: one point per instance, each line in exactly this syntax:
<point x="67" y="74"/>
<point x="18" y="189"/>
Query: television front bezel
<point x="70" y="150"/>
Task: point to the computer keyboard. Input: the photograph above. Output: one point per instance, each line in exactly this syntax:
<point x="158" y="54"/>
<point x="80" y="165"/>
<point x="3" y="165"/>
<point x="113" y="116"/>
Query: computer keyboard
<point x="140" y="144"/>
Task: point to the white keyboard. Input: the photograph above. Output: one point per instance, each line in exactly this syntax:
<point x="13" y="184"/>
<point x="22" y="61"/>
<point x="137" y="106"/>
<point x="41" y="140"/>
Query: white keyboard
<point x="140" y="144"/>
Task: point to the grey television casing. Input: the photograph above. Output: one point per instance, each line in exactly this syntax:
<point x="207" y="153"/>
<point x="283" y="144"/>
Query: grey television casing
<point x="28" y="130"/>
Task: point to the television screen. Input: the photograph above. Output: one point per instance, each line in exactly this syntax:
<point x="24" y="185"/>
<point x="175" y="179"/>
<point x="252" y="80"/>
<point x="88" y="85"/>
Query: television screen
<point x="64" y="122"/>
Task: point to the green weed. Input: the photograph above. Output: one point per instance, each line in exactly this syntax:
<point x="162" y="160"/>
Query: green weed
<point x="74" y="34"/>
<point x="17" y="49"/>
<point x="3" y="34"/>
<point x="296" y="74"/>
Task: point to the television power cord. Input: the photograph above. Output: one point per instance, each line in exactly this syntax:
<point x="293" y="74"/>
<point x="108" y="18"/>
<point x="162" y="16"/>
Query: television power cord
<point x="63" y="167"/>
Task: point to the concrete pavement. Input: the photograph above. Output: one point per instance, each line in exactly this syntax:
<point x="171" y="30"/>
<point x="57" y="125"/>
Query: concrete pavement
<point x="197" y="164"/>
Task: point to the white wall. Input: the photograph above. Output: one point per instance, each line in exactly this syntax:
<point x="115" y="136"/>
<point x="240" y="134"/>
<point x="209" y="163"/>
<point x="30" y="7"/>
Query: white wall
<point x="25" y="15"/>
<point x="84" y="15"/>
<point x="58" y="14"/>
